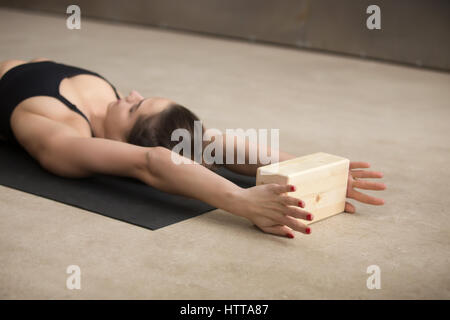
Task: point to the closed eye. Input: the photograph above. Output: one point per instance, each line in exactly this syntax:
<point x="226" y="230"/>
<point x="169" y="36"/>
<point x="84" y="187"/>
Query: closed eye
<point x="136" y="106"/>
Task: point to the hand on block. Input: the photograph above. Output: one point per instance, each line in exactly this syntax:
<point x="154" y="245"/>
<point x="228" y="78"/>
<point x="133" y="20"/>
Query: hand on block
<point x="320" y="180"/>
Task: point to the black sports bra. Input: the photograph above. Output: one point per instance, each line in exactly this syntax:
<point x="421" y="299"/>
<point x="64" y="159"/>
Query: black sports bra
<point x="35" y="79"/>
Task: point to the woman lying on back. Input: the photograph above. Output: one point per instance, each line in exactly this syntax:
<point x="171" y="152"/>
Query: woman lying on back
<point x="75" y="124"/>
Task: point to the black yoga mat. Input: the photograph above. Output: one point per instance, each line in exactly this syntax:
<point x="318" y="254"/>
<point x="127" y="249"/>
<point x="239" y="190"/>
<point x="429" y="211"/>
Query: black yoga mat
<point x="125" y="199"/>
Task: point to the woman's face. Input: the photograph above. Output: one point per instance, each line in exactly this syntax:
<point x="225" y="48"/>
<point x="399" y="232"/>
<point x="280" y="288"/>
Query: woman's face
<point x="122" y="114"/>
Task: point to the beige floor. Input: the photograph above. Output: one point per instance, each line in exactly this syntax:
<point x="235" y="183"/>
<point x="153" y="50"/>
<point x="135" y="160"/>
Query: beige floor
<point x="395" y="117"/>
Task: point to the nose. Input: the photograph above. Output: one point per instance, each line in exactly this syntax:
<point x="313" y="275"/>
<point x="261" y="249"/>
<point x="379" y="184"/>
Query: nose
<point x="131" y="97"/>
<point x="136" y="95"/>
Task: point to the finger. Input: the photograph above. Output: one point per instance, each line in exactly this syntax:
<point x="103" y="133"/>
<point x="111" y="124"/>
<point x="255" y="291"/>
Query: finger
<point x="295" y="224"/>
<point x="292" y="201"/>
<point x="280" y="230"/>
<point x="365" y="198"/>
<point x="298" y="213"/>
<point x="349" y="207"/>
<point x="359" y="164"/>
<point x="368" y="185"/>
<point x="366" y="174"/>
<point x="278" y="188"/>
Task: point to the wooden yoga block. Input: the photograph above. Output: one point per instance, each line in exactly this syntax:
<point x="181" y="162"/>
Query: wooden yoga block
<point x="320" y="180"/>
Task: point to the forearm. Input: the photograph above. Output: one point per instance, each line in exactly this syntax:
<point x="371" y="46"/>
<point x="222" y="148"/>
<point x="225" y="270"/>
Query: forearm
<point x="187" y="179"/>
<point x="80" y="157"/>
<point x="248" y="168"/>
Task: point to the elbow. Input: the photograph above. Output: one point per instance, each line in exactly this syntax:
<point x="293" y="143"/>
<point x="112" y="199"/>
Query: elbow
<point x="151" y="164"/>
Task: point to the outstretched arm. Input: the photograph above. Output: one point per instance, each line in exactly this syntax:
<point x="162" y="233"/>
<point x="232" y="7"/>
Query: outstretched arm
<point x="250" y="148"/>
<point x="62" y="151"/>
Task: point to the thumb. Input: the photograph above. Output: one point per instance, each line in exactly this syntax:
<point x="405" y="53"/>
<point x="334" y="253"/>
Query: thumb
<point x="349" y="207"/>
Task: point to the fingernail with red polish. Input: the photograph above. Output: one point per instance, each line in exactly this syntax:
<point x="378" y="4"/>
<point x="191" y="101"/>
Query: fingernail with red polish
<point x="301" y="204"/>
<point x="309" y="217"/>
<point x="290" y="235"/>
<point x="308" y="230"/>
<point x="292" y="188"/>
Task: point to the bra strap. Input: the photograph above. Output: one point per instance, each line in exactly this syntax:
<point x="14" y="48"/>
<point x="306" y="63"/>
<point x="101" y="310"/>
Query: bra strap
<point x="74" y="108"/>
<point x="112" y="86"/>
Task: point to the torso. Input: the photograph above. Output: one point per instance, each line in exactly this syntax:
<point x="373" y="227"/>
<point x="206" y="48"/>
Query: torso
<point x="87" y="92"/>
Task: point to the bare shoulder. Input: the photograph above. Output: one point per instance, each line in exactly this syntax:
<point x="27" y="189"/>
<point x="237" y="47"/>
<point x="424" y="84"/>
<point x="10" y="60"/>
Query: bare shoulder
<point x="34" y="130"/>
<point x="11" y="61"/>
<point x="40" y="59"/>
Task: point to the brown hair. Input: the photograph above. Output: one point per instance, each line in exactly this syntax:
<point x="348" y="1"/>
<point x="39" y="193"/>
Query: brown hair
<point x="156" y="130"/>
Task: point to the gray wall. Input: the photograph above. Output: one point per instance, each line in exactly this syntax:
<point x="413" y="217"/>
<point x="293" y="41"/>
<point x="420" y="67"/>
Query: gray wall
<point x="414" y="32"/>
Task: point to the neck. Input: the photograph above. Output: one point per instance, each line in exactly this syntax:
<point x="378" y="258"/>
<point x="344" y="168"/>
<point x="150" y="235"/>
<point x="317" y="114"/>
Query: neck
<point x="97" y="118"/>
<point x="97" y="124"/>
